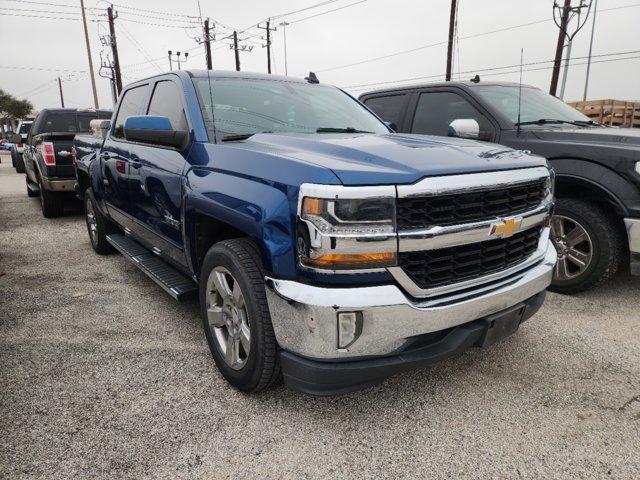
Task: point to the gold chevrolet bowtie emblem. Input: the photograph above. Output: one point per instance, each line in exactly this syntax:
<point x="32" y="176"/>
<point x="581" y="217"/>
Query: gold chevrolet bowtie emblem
<point x="505" y="228"/>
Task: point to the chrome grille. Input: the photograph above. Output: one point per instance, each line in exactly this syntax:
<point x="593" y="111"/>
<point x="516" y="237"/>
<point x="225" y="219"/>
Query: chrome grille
<point x="419" y="212"/>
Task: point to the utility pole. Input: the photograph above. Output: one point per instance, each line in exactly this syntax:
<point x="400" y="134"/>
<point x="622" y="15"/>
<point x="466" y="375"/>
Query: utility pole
<point x="284" y="31"/>
<point x="565" y="73"/>
<point x="207" y="44"/>
<point x="560" y="46"/>
<point x="86" y="39"/>
<point x="60" y="88"/>
<point x="235" y="48"/>
<point x="452" y="26"/>
<point x="593" y="28"/>
<point x="268" y="44"/>
<point x="114" y="49"/>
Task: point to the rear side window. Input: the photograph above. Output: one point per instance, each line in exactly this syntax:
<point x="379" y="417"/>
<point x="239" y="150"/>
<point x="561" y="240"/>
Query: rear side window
<point x="166" y="101"/>
<point x="130" y="105"/>
<point x="390" y="107"/>
<point x="84" y="120"/>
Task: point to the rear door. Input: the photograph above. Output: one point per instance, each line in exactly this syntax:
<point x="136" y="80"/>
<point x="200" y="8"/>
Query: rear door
<point x="156" y="176"/>
<point x="390" y="107"/>
<point x="115" y="157"/>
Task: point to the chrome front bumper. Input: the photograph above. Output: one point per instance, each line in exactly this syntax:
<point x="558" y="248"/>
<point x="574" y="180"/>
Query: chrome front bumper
<point x="304" y="316"/>
<point x="633" y="233"/>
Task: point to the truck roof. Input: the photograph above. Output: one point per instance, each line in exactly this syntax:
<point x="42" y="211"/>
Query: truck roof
<point x="465" y="84"/>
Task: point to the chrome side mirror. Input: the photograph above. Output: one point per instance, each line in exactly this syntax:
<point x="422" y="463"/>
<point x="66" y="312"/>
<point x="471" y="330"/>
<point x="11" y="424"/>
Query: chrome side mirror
<point x="464" y="128"/>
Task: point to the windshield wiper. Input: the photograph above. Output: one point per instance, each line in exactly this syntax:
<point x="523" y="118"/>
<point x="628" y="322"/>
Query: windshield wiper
<point x="340" y="130"/>
<point x="547" y="121"/>
<point x="239" y="136"/>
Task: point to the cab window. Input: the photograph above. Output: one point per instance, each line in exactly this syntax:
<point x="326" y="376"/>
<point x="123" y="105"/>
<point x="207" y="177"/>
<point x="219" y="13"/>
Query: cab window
<point x="436" y="110"/>
<point x="130" y="105"/>
<point x="166" y="102"/>
<point x="390" y="107"/>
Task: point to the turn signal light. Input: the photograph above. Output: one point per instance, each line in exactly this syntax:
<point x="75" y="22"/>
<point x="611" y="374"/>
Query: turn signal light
<point x="339" y="261"/>
<point x="312" y="206"/>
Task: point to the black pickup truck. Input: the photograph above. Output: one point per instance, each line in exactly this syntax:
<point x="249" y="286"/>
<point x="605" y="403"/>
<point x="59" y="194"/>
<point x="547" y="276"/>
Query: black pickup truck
<point x="47" y="154"/>
<point x="597" y="216"/>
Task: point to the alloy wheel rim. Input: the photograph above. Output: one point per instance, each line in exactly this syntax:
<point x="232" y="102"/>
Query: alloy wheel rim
<point x="91" y="221"/>
<point x="227" y="317"/>
<point x="574" y="247"/>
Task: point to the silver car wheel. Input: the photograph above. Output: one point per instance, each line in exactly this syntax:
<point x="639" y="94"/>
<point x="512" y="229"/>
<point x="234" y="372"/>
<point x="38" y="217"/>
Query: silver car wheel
<point x="574" y="246"/>
<point x="227" y="317"/>
<point x="92" y="223"/>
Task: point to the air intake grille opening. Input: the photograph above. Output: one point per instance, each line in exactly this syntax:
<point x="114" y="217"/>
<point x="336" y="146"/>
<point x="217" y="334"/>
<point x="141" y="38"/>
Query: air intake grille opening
<point x="446" y="266"/>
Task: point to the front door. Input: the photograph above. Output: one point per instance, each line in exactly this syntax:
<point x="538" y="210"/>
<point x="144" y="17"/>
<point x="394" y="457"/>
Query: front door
<point x="115" y="157"/>
<point x="156" y="178"/>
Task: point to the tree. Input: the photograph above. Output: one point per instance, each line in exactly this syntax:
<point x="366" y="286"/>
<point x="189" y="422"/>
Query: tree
<point x="13" y="109"/>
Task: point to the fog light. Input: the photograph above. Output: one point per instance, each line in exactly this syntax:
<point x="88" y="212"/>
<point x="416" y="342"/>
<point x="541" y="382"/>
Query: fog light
<point x="349" y="328"/>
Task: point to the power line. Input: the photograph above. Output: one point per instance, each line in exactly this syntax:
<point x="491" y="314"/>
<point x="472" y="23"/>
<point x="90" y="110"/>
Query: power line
<point x="490" y="69"/>
<point x="43" y="69"/>
<point x="38" y="16"/>
<point x="466" y="37"/>
<point x="328" y="11"/>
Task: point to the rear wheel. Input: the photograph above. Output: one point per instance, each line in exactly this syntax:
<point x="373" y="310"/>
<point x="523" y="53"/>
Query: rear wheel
<point x="98" y="226"/>
<point x="50" y="202"/>
<point x="589" y="244"/>
<point x="19" y="163"/>
<point x="30" y="192"/>
<point x="236" y="316"/>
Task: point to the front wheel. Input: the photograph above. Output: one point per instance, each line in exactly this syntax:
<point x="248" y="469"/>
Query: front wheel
<point x="236" y="317"/>
<point x="589" y="244"/>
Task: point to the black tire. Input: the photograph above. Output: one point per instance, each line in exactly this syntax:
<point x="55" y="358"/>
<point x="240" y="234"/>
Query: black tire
<point x="30" y="193"/>
<point x="19" y="163"/>
<point x="103" y="226"/>
<point x="607" y="245"/>
<point x="240" y="257"/>
<point x="51" y="202"/>
<point x="14" y="156"/>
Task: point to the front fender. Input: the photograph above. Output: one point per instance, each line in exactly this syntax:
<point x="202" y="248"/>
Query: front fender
<point x="622" y="194"/>
<point x="261" y="210"/>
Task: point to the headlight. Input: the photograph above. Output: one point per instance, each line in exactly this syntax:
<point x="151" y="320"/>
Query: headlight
<point x="349" y="216"/>
<point x="342" y="232"/>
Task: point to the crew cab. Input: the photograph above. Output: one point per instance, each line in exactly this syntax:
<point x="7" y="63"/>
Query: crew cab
<point x="47" y="155"/>
<point x="16" y="155"/>
<point x="596" y="225"/>
<point x="323" y="247"/>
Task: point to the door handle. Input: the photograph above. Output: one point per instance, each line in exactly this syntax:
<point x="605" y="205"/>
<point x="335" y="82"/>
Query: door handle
<point x="135" y="164"/>
<point x="107" y="155"/>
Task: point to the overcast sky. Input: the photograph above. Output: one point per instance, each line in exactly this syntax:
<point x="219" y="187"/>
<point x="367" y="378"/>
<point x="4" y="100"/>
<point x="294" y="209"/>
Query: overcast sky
<point x="47" y="47"/>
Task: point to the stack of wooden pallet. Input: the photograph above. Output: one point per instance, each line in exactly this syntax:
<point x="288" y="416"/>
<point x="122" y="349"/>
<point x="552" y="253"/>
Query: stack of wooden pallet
<point x="611" y="112"/>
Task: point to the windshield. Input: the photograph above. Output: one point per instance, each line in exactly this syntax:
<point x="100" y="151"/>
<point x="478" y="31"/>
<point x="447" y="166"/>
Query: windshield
<point x="246" y="106"/>
<point x="536" y="104"/>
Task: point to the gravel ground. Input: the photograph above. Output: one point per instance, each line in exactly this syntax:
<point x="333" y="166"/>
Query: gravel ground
<point x="103" y="375"/>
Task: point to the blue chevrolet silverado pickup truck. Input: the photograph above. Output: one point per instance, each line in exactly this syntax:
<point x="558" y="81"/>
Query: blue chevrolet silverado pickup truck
<point x="325" y="248"/>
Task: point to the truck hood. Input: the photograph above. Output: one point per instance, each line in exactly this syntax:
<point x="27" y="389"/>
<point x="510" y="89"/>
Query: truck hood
<point x="367" y="159"/>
